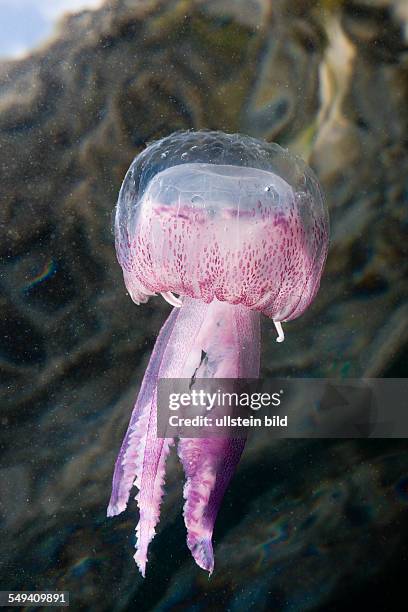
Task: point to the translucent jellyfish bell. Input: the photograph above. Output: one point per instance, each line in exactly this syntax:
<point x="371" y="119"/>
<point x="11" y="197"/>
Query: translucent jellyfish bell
<point x="213" y="215"/>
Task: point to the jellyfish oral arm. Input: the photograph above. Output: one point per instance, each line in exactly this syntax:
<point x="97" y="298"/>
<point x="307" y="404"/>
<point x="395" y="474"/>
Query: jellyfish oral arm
<point x="228" y="337"/>
<point x="134" y="442"/>
<point x="142" y="457"/>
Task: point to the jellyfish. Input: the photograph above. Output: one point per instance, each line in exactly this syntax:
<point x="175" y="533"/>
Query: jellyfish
<point x="225" y="227"/>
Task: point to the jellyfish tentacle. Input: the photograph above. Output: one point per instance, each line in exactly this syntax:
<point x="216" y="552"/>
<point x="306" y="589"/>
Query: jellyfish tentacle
<point x="153" y="451"/>
<point x="172" y="299"/>
<point x="230" y="340"/>
<point x="279" y="329"/>
<point x="150" y="482"/>
<point x="209" y="464"/>
<point x="135" y="439"/>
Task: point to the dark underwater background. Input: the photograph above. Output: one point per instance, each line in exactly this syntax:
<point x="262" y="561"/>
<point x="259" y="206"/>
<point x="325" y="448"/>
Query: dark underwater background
<point x="313" y="525"/>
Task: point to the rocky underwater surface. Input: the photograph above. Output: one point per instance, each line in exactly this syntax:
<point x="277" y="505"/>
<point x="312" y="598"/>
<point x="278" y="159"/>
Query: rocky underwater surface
<point x="306" y="523"/>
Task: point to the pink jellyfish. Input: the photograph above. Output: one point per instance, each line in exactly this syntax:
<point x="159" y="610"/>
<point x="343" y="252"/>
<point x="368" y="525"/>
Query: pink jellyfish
<point x="235" y="226"/>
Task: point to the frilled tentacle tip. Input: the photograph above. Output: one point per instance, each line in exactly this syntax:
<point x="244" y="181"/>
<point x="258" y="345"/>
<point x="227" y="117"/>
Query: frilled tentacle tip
<point x="202" y="551"/>
<point x="115" y="509"/>
<point x="118" y="501"/>
<point x="141" y="562"/>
